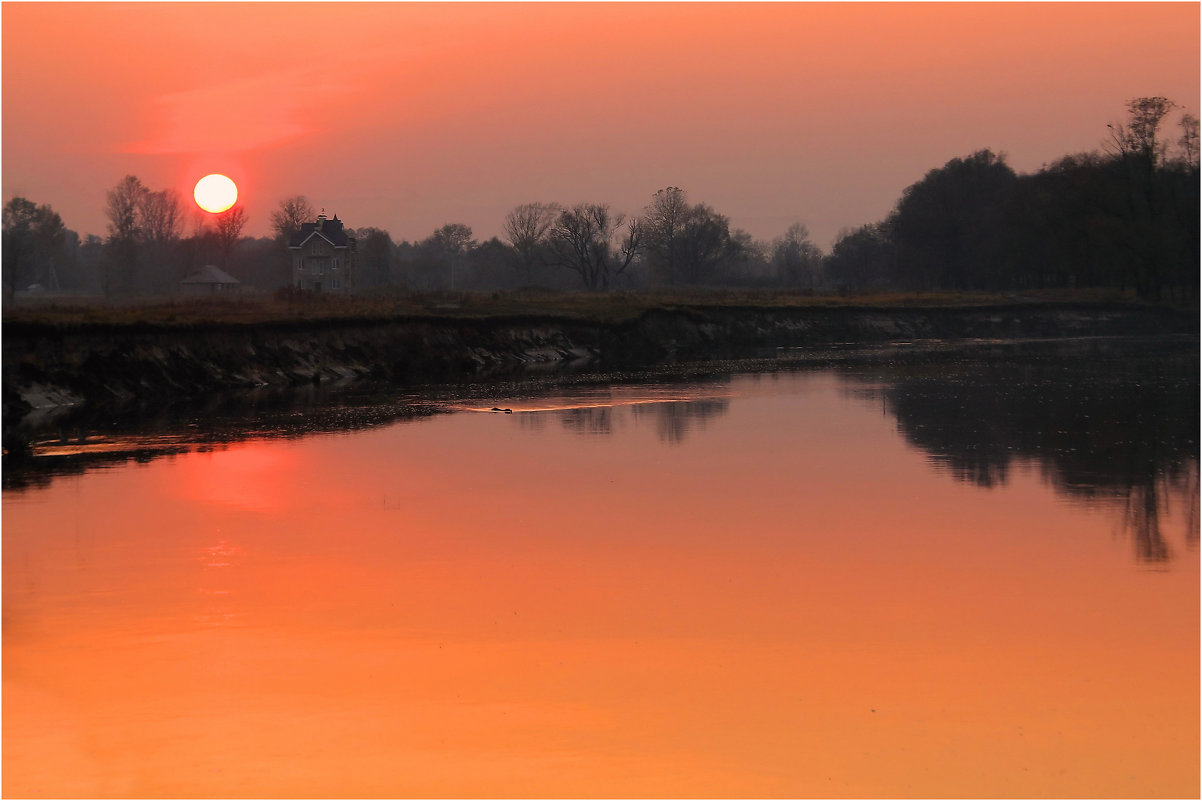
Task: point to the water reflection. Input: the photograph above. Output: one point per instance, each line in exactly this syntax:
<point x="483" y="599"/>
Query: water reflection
<point x="748" y="588"/>
<point x="676" y="419"/>
<point x="1111" y="424"/>
<point x="1106" y="422"/>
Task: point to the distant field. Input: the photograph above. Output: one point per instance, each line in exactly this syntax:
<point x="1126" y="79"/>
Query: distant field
<point x="595" y="306"/>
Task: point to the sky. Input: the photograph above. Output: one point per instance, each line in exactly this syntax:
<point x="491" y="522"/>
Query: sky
<point x="408" y="116"/>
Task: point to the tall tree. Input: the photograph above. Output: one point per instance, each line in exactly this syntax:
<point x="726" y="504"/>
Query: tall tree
<point x="160" y="224"/>
<point x="121" y="265"/>
<point x="290" y="215"/>
<point x="122" y="204"/>
<point x="229" y="230"/>
<point x="797" y="260"/>
<point x="861" y="258"/>
<point x="946" y="228"/>
<point x="685" y="244"/>
<point x="594" y="242"/>
<point x="1139" y="136"/>
<point x="375" y="254"/>
<point x="1189" y="140"/>
<point x="34" y="245"/>
<point x="663" y="226"/>
<point x="526" y="228"/>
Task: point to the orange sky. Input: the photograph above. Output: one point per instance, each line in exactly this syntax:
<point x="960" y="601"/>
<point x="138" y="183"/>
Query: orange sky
<point x="409" y="116"/>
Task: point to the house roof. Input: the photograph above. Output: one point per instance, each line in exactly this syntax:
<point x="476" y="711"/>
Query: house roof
<point x="329" y="230"/>
<point x="210" y="274"/>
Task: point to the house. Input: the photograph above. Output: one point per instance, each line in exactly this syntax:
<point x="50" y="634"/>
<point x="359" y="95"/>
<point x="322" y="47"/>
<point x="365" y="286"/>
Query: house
<point x="323" y="256"/>
<point x="209" y="280"/>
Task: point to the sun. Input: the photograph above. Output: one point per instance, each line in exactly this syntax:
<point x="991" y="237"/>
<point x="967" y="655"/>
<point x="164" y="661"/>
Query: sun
<point x="215" y="193"/>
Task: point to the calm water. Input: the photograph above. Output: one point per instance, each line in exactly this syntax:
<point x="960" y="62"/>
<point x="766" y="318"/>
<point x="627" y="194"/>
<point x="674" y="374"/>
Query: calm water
<point x="965" y="578"/>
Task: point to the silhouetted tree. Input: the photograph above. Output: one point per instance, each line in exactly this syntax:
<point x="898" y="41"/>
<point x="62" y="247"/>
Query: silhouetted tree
<point x="375" y="255"/>
<point x="861" y="258"/>
<point x="34" y="247"/>
<point x="526" y="229"/>
<point x="588" y="239"/>
<point x="160" y="224"/>
<point x="1189" y="140"/>
<point x="122" y="256"/>
<point x="947" y="227"/>
<point x="229" y="225"/>
<point x="796" y="260"/>
<point x="290" y="215"/>
<point x="685" y="244"/>
<point x="1139" y="136"/>
<point x="487" y="266"/>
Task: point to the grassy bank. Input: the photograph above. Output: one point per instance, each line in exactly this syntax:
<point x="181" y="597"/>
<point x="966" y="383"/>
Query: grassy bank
<point x="604" y="307"/>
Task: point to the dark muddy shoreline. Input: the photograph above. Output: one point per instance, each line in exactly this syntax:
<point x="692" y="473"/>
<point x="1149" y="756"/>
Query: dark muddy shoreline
<point x="167" y="388"/>
<point x="54" y="365"/>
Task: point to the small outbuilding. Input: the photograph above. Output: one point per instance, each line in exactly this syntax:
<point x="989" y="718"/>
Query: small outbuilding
<point x="209" y="280"/>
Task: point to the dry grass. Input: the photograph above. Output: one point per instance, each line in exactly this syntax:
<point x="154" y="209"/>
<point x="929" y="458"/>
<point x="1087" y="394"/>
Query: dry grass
<point x="590" y="306"/>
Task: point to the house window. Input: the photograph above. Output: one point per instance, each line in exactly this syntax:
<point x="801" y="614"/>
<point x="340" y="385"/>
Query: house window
<point x="334" y="265"/>
<point x="318" y="250"/>
<point x="335" y="283"/>
<point x="300" y="263"/>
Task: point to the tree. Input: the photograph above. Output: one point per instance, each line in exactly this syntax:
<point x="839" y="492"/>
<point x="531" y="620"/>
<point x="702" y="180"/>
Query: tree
<point x="1160" y="232"/>
<point x="290" y="215"/>
<point x="947" y="227"/>
<point x="229" y="229"/>
<point x="861" y="258"/>
<point x="122" y="207"/>
<point x="1189" y="140"/>
<point x="526" y="229"/>
<point x="685" y="244"/>
<point x="160" y="224"/>
<point x="374" y="257"/>
<point x="452" y="239"/>
<point x="588" y="239"/>
<point x="797" y="260"/>
<point x="1138" y="137"/>
<point x="663" y="226"/>
<point x="448" y="246"/>
<point x="34" y="241"/>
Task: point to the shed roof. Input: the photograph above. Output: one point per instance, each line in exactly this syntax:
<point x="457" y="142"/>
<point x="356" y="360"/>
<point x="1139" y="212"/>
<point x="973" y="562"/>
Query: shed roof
<point x="210" y="274"/>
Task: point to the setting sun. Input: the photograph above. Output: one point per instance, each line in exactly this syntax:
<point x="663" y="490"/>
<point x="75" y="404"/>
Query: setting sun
<point x="215" y="193"/>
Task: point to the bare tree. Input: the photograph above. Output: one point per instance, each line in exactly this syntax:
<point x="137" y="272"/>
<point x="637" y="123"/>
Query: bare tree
<point x="122" y="207"/>
<point x="526" y="229"/>
<point x="588" y="239"/>
<point x="161" y="223"/>
<point x="290" y="215"/>
<point x="685" y="244"/>
<point x="1138" y="136"/>
<point x="664" y="222"/>
<point x="162" y="216"/>
<point x="1189" y="140"/>
<point x="229" y="229"/>
<point x="798" y="261"/>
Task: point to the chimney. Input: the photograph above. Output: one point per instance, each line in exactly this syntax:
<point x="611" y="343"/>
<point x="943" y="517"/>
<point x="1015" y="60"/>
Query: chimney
<point x="321" y="220"/>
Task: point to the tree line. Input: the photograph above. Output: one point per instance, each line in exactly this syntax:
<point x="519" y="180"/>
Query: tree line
<point x="1125" y="217"/>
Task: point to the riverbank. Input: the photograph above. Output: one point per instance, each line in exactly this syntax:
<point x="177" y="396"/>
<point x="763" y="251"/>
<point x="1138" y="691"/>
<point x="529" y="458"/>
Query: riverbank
<point x="84" y="358"/>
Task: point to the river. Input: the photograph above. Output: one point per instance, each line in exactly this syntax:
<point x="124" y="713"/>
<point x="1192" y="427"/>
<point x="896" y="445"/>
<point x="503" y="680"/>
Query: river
<point x="971" y="575"/>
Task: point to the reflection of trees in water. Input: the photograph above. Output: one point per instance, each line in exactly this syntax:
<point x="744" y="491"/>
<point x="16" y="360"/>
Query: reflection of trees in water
<point x="675" y="419"/>
<point x="1097" y="425"/>
<point x="531" y="422"/>
<point x="588" y="420"/>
